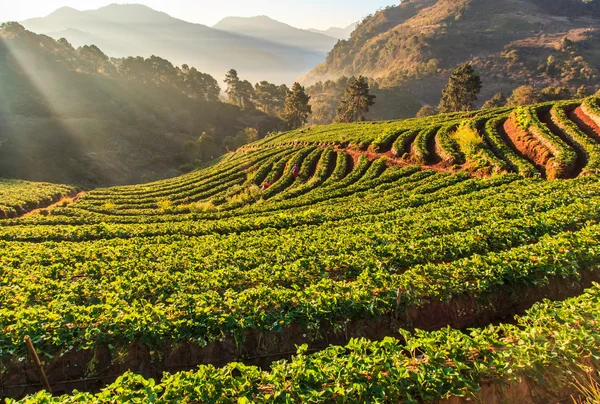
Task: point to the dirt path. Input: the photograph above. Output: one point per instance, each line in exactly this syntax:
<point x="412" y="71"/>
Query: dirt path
<point x="65" y="199"/>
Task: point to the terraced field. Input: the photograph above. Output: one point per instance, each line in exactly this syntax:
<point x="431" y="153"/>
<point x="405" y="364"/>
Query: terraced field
<point x="390" y="269"/>
<point x="20" y="197"/>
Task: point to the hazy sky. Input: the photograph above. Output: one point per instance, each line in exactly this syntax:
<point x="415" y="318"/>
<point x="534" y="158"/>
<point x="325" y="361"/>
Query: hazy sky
<point x="319" y="14"/>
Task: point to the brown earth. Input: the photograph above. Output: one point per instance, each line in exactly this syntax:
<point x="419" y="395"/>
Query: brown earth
<point x="528" y="146"/>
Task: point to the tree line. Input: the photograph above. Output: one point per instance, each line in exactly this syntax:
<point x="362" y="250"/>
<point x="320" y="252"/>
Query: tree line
<point x="293" y="105"/>
<point x="464" y="86"/>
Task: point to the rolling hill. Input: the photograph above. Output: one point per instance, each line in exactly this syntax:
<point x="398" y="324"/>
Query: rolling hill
<point x="444" y="227"/>
<point x="125" y="30"/>
<point x="415" y="45"/>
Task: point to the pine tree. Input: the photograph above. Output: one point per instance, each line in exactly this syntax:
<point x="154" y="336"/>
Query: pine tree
<point x="462" y="90"/>
<point x="356" y="101"/>
<point x="240" y="92"/>
<point x="296" y="110"/>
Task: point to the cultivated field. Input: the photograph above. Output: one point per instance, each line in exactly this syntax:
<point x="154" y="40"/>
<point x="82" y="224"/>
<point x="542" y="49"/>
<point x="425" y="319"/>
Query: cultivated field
<point x="390" y="269"/>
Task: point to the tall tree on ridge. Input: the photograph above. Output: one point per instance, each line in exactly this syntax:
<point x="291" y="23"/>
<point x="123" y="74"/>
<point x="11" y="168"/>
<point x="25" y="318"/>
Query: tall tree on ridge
<point x="240" y="92"/>
<point x="296" y="109"/>
<point x="356" y="101"/>
<point x="270" y="98"/>
<point x="462" y="90"/>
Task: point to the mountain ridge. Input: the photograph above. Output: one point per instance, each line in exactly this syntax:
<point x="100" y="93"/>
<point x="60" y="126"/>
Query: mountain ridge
<point x="267" y="28"/>
<point x="126" y="30"/>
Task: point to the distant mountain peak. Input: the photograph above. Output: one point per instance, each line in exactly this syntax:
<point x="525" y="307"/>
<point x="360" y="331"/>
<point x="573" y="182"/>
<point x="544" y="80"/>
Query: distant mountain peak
<point x="132" y="13"/>
<point x="64" y="11"/>
<point x="257" y="19"/>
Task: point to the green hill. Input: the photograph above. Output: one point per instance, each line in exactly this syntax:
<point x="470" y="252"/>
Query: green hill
<point x="75" y="116"/>
<point x="445" y="227"/>
<point x="414" y="46"/>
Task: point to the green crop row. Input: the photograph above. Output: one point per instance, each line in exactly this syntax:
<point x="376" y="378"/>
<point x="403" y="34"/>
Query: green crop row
<point x="590" y="148"/>
<point x="547" y="347"/>
<point x="18" y="197"/>
<point x="348" y="264"/>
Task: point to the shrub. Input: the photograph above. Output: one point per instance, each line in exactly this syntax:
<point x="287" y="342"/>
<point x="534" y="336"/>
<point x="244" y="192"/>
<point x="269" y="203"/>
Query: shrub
<point x="202" y="207"/>
<point x="469" y="141"/>
<point x="109" y="206"/>
<point x="164" y="204"/>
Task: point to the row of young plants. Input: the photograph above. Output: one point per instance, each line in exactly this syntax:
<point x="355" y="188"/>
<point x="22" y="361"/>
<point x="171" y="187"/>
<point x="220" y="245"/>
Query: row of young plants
<point x="564" y="158"/>
<point x="286" y="178"/>
<point x="570" y="130"/>
<point x="139" y="190"/>
<point x="180" y="191"/>
<point x="420" y="150"/>
<point x="322" y="171"/>
<point x="76" y="215"/>
<point x="447" y="147"/>
<point x="387" y="133"/>
<point x="18" y="197"/>
<point x="499" y="145"/>
<point x="590" y="108"/>
<point x="400" y="137"/>
<point x="202" y="291"/>
<point x="548" y="348"/>
<point x="360" y="180"/>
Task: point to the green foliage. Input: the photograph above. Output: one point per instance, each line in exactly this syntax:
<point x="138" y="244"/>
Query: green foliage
<point x="296" y="109"/>
<point x="555" y="94"/>
<point x="546" y="344"/>
<point x="18" y="197"/>
<point x="497" y="101"/>
<point x="524" y="95"/>
<point x="270" y="98"/>
<point x="356" y="101"/>
<point x="393" y="102"/>
<point x="351" y="239"/>
<point x="524" y="117"/>
<point x="427" y="110"/>
<point x="240" y="93"/>
<point x="462" y="90"/>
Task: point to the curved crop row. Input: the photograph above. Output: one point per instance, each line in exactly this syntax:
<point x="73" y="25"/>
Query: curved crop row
<point x="401" y="146"/>
<point x="546" y="348"/>
<point x="572" y="131"/>
<point x="18" y="197"/>
<point x="564" y="158"/>
<point x="420" y="151"/>
<point x="590" y="108"/>
<point x="446" y="146"/>
<point x="498" y="144"/>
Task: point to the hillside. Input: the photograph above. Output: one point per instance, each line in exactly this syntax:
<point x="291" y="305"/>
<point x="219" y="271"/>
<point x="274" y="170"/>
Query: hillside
<point x="268" y="29"/>
<point x="125" y="30"/>
<point x="445" y="228"/>
<point x="415" y="45"/>
<point x="73" y="116"/>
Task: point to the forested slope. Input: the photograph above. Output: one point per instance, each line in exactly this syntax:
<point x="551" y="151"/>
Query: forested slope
<point x="75" y="116"/>
<point x="414" y="46"/>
